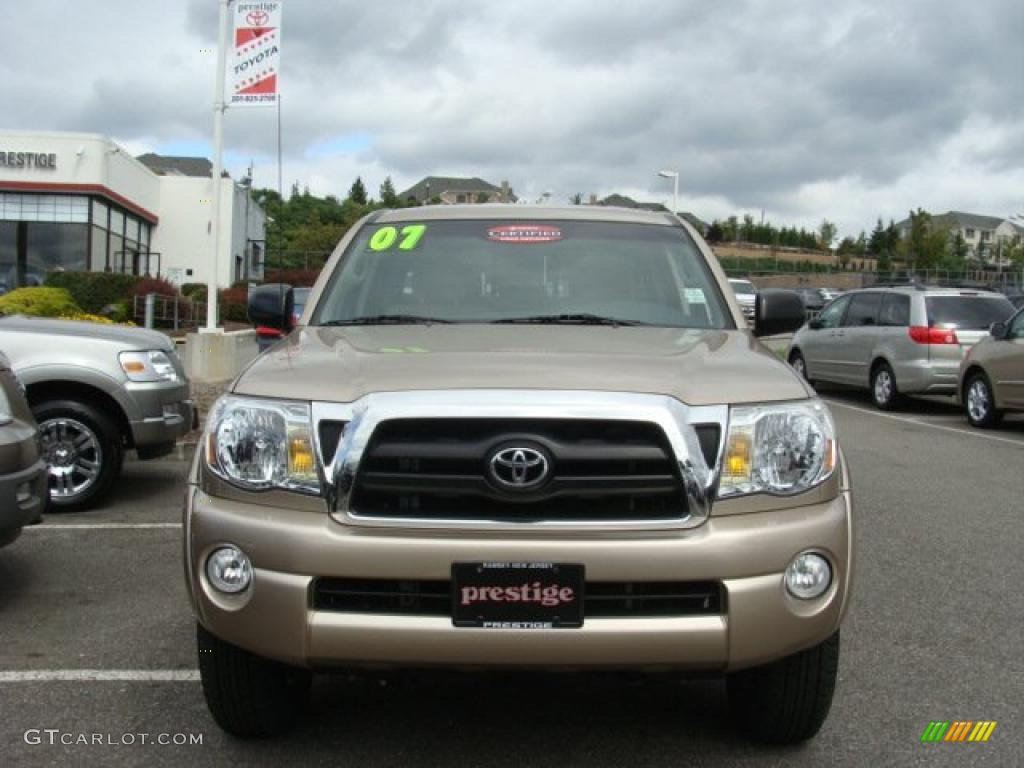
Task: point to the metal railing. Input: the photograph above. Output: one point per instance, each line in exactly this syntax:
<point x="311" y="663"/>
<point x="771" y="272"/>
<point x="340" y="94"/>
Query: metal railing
<point x="155" y="310"/>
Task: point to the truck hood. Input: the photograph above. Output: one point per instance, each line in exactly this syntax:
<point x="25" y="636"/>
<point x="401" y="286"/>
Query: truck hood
<point x="697" y="367"/>
<point x="127" y="337"/>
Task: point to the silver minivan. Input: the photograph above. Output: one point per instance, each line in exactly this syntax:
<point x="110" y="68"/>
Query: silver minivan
<point x="896" y="340"/>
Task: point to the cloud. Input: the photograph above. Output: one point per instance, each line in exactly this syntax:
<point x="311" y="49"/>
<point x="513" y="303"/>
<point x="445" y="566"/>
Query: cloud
<point x="841" y="110"/>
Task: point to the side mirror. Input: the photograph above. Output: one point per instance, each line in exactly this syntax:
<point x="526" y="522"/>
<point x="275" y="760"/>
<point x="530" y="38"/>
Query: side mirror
<point x="815" y="324"/>
<point x="271" y="305"/>
<point x="997" y="330"/>
<point x="778" y="311"/>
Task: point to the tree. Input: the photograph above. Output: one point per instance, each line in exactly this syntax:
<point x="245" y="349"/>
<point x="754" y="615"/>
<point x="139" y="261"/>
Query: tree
<point x="357" y="193"/>
<point x="826" y="234"/>
<point x="877" y="243"/>
<point x="847" y="248"/>
<point x="715" y="234"/>
<point x="388" y="196"/>
<point x="925" y="245"/>
<point x="483" y="197"/>
<point x="576" y="199"/>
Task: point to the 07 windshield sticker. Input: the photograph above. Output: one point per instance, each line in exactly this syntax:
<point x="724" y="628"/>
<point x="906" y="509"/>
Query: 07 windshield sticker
<point x="524" y="233"/>
<point x="406" y="238"/>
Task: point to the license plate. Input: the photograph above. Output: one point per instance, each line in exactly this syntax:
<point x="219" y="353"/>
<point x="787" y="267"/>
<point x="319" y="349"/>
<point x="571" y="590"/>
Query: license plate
<point x="517" y="595"/>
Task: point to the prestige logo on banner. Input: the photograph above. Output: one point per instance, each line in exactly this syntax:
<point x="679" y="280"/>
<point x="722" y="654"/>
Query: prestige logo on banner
<point x="255" y="59"/>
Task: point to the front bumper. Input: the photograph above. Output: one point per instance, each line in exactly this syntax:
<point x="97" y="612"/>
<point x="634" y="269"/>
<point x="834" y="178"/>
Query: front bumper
<point x="168" y="414"/>
<point x="746" y="553"/>
<point x="23" y="497"/>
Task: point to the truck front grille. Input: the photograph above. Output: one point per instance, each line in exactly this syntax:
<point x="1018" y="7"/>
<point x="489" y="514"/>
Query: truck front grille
<point x="602" y="599"/>
<point x="437" y="469"/>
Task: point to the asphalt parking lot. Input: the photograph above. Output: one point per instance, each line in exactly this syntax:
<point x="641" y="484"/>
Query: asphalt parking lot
<point x="96" y="638"/>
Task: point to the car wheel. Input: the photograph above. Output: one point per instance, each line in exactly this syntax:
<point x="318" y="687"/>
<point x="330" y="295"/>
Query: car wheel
<point x="979" y="403"/>
<point x="796" y="360"/>
<point x="884" y="392"/>
<point x="83" y="450"/>
<point x="249" y="696"/>
<point x="786" y="702"/>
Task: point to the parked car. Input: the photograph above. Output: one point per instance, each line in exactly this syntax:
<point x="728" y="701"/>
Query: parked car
<point x="97" y="390"/>
<point x="897" y="340"/>
<point x="22" y="470"/>
<point x="496" y="441"/>
<point x="830" y="293"/>
<point x="992" y="374"/>
<point x="814" y="299"/>
<point x="746" y="295"/>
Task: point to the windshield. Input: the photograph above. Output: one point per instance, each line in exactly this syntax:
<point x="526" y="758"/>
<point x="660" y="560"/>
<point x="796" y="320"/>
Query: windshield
<point x="967" y="312"/>
<point x="479" y="271"/>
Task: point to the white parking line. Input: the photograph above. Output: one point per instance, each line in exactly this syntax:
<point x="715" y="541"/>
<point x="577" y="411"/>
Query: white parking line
<point x="908" y="420"/>
<point x="100" y="526"/>
<point x="99" y="675"/>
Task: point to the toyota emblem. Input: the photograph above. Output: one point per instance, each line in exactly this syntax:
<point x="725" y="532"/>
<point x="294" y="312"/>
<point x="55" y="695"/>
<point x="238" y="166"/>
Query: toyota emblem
<point x="257" y="18"/>
<point x="518" y="467"/>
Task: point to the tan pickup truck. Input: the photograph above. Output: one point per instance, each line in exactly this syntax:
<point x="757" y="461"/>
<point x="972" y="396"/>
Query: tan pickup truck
<point x="520" y="437"/>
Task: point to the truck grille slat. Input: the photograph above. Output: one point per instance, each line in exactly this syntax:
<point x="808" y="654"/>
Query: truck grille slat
<point x="437" y="469"/>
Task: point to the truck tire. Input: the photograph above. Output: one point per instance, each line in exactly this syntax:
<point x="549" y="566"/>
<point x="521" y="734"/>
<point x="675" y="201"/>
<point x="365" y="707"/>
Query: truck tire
<point x="249" y="696"/>
<point x="787" y="701"/>
<point x="83" y="448"/>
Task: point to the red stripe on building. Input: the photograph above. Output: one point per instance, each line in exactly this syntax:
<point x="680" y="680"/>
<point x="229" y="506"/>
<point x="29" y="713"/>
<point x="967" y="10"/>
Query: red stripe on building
<point x="96" y="189"/>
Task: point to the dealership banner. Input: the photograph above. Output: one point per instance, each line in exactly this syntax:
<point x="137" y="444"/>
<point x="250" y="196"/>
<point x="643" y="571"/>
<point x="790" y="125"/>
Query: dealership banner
<point x="254" y="61"/>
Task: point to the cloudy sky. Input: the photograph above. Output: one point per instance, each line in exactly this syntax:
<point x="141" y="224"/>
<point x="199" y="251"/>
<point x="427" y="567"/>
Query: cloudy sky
<point x="846" y="110"/>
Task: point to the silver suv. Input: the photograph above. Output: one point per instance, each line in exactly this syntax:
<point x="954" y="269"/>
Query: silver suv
<point x="896" y="340"/>
<point x="97" y="390"/>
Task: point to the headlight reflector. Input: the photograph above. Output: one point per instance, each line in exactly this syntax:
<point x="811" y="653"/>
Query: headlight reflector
<point x="783" y="449"/>
<point x="262" y="444"/>
<point x="148" y="366"/>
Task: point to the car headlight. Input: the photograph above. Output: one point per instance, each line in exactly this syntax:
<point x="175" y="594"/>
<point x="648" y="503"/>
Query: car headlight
<point x="781" y="449"/>
<point x="148" y="366"/>
<point x="262" y="444"/>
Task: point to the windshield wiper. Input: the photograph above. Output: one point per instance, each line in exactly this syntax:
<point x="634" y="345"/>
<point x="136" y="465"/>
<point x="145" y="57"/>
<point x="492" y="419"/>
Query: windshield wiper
<point x="388" y="320"/>
<point x="574" y="318"/>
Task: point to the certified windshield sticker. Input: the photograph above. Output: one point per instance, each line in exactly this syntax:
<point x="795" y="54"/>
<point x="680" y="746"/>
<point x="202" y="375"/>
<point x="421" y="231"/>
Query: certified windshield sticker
<point x="696" y="296"/>
<point x="407" y="238"/>
<point x="525" y="233"/>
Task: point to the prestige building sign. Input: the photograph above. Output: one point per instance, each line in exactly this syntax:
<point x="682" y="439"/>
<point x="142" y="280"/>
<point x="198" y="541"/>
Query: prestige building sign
<point x="45" y="160"/>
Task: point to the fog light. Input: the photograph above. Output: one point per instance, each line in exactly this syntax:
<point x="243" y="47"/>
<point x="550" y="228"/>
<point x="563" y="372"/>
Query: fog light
<point x="808" y="576"/>
<point x="229" y="570"/>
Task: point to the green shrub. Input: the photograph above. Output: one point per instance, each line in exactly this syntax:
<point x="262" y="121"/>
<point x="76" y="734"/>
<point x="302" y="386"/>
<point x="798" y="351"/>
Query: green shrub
<point x="94" y="291"/>
<point x="195" y="291"/>
<point x="39" y="302"/>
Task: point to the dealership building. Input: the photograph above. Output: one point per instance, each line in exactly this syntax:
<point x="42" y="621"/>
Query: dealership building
<point x="77" y="202"/>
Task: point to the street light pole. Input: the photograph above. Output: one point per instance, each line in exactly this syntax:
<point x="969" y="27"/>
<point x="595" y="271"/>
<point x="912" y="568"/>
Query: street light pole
<point x="674" y="175"/>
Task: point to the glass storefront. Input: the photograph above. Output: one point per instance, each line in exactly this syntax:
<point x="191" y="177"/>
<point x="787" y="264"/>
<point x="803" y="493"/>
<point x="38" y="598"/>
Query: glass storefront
<point x="41" y="233"/>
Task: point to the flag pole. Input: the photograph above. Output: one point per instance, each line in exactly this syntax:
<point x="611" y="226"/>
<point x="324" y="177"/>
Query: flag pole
<point x="218" y="166"/>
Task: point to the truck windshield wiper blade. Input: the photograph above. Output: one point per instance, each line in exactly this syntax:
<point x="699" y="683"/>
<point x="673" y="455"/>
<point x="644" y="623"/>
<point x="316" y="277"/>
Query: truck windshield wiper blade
<point x="576" y="318"/>
<point x="387" y="320"/>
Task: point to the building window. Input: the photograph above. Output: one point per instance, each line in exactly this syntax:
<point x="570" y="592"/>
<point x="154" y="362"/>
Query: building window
<point x="55" y="247"/>
<point x="969" y="233"/>
<point x="986" y="236"/>
<point x="460" y="198"/>
<point x="55" y="208"/>
<point x="98" y="253"/>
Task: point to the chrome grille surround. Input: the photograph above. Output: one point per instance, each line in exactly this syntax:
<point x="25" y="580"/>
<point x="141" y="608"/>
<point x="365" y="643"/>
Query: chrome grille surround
<point x="676" y="420"/>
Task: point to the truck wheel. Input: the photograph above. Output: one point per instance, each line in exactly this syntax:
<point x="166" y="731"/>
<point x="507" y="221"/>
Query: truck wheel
<point x="249" y="696"/>
<point x="83" y="449"/>
<point x="787" y="701"/>
<point x="796" y="360"/>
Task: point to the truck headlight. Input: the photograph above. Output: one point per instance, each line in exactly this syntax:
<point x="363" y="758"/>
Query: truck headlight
<point x="778" y="448"/>
<point x="148" y="366"/>
<point x="261" y="444"/>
